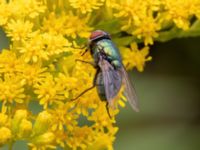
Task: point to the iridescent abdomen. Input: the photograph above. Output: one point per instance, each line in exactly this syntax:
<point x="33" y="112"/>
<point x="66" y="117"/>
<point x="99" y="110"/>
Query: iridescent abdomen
<point x="100" y="86"/>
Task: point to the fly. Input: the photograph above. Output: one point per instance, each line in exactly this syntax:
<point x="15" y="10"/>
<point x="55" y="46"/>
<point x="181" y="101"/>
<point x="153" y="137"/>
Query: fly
<point x="110" y="72"/>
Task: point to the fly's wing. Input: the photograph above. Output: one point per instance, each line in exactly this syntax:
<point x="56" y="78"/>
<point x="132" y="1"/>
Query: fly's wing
<point x="130" y="91"/>
<point x="112" y="80"/>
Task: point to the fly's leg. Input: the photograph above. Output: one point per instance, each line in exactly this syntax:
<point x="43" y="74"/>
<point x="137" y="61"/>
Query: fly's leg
<point x="107" y="109"/>
<point x="84" y="47"/>
<point x="74" y="47"/>
<point x="85" y="91"/>
<point x="87" y="62"/>
<point x="84" y="52"/>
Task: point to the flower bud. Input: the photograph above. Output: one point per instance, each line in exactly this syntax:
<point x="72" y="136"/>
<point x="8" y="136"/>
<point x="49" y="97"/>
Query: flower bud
<point x="42" y="123"/>
<point x="25" y="128"/>
<point x="43" y="141"/>
<point x="5" y="135"/>
<point x="46" y="138"/>
<point x="3" y="119"/>
<point x="18" y="117"/>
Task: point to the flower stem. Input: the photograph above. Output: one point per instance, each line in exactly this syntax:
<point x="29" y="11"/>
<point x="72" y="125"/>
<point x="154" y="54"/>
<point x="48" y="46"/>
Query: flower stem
<point x="10" y="146"/>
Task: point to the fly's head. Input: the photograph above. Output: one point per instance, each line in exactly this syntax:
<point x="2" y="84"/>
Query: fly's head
<point x="96" y="36"/>
<point x="99" y="34"/>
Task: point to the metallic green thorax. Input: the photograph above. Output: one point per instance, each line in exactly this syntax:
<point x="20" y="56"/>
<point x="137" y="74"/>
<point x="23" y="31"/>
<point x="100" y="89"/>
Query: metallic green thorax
<point x="110" y="50"/>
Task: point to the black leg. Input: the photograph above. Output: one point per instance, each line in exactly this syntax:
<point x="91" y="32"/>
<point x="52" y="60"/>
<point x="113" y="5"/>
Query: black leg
<point x="83" y="93"/>
<point x="84" y="52"/>
<point x="87" y="62"/>
<point x="81" y="48"/>
<point x="85" y="46"/>
<point x="94" y="84"/>
<point x="107" y="109"/>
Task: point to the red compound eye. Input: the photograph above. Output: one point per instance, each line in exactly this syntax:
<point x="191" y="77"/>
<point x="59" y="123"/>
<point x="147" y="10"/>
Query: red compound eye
<point x="98" y="34"/>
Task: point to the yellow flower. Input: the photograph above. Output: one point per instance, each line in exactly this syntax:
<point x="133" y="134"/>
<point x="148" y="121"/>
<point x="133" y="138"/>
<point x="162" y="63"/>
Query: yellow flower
<point x="55" y="44"/>
<point x="62" y="79"/>
<point x="103" y="140"/>
<point x="19" y="29"/>
<point x="28" y="8"/>
<point x="147" y="29"/>
<point x="180" y="11"/>
<point x="4" y="12"/>
<point x="81" y="29"/>
<point x="9" y="63"/>
<point x="60" y="138"/>
<point x="66" y="83"/>
<point x="53" y="24"/>
<point x="33" y="73"/>
<point x="196" y="8"/>
<point x="133" y="57"/>
<point x="138" y="18"/>
<point x="80" y="137"/>
<point x="86" y="6"/>
<point x="33" y="49"/>
<point x="11" y="90"/>
<point x="64" y="117"/>
<point x="48" y="92"/>
<point x="43" y="46"/>
<point x="100" y="116"/>
<point x="64" y="24"/>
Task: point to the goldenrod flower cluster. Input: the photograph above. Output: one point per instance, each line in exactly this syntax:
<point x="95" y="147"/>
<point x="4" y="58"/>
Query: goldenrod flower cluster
<point x="39" y="69"/>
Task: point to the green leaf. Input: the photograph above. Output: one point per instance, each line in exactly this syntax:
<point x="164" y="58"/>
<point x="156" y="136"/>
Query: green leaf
<point x="175" y="32"/>
<point x="111" y="26"/>
<point x="123" y="41"/>
<point x="194" y="30"/>
<point x="168" y="35"/>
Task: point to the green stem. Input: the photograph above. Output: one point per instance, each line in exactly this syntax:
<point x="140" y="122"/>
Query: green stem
<point x="10" y="145"/>
<point x="194" y="31"/>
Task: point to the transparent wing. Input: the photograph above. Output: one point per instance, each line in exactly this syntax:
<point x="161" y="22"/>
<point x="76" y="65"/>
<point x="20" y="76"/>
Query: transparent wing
<point x="130" y="91"/>
<point x="112" y="80"/>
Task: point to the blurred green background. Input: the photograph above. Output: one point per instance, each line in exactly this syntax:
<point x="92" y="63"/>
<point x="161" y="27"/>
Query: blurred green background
<point x="169" y="95"/>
